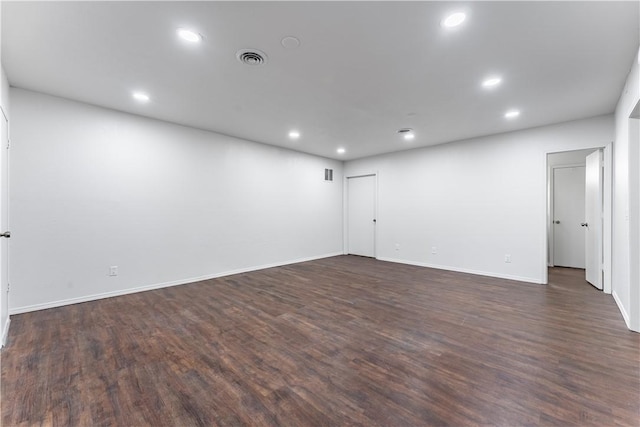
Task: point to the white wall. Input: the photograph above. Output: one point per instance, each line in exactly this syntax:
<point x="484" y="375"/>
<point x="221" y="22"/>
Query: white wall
<point x="94" y="188"/>
<point x="4" y="91"/>
<point x="626" y="290"/>
<point x="475" y="200"/>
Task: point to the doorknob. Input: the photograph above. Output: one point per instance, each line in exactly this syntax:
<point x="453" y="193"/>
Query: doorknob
<point x="584" y="224"/>
<point x="556" y="221"/>
<point x="374" y="220"/>
<point x="6" y="234"/>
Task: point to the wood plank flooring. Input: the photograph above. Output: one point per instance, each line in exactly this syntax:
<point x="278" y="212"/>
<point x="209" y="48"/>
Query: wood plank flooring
<point x="338" y="341"/>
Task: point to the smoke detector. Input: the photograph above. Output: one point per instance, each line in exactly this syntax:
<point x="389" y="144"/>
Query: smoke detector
<point x="251" y="57"/>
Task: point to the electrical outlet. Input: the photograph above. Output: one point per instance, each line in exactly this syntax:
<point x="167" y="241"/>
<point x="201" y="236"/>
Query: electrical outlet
<point x="397" y="246"/>
<point x="434" y="250"/>
<point x="113" y="270"/>
<point x="507" y="258"/>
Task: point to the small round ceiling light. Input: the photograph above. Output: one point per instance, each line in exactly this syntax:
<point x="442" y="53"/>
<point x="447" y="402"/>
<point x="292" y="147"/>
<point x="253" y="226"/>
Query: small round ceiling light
<point x="454" y="20"/>
<point x="491" y="82"/>
<point x="189" y="35"/>
<point x="341" y="150"/>
<point x="294" y="134"/>
<point x="512" y="114"/>
<point x="140" y="96"/>
<point x="290" y="42"/>
<point x="252" y="57"/>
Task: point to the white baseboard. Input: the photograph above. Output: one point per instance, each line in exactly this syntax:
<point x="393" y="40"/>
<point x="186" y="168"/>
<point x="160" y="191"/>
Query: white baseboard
<point x="464" y="270"/>
<point x="60" y="303"/>
<point x="5" y="333"/>
<point x="625" y="316"/>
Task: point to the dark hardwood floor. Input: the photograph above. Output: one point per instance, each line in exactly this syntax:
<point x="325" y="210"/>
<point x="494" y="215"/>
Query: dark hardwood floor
<point x="338" y="341"/>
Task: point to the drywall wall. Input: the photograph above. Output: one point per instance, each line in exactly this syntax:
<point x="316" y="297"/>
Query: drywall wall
<point x="4" y="93"/>
<point x="474" y="201"/>
<point x="626" y="289"/>
<point x="94" y="188"/>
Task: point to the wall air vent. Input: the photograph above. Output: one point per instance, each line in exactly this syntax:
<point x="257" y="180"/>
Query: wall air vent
<point x="328" y="174"/>
<point x="251" y="57"/>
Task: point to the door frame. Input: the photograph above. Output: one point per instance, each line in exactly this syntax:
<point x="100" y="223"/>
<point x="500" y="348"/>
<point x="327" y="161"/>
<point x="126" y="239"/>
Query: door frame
<point x="345" y="211"/>
<point x="607" y="191"/>
<point x="551" y="207"/>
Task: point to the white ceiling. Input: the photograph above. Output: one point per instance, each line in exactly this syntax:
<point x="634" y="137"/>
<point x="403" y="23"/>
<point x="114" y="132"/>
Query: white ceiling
<point x="362" y="70"/>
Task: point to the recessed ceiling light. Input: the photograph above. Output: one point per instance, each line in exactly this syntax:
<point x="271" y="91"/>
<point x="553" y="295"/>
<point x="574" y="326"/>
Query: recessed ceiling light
<point x="491" y="82"/>
<point x="188" y="35"/>
<point x="341" y="150"/>
<point x="294" y="134"/>
<point x="512" y="114"/>
<point x="140" y="96"/>
<point x="453" y="20"/>
<point x="290" y="42"/>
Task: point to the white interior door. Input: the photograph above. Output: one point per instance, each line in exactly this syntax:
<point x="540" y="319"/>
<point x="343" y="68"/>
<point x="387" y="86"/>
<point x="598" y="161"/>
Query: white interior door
<point x="4" y="220"/>
<point x="568" y="215"/>
<point x="361" y="216"/>
<point x="593" y="219"/>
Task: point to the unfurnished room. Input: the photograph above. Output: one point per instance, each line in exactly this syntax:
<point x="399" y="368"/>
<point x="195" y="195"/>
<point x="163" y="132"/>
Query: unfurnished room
<point x="320" y="213"/>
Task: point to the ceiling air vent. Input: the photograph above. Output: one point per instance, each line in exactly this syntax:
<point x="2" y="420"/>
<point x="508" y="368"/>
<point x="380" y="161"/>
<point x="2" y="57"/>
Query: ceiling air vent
<point x="251" y="56"/>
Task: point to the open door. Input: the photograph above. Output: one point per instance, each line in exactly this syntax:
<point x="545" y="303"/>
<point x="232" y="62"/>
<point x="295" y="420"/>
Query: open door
<point x="4" y="224"/>
<point x="593" y="218"/>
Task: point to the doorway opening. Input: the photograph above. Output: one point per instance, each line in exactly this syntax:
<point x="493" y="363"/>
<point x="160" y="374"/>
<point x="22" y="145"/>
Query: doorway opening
<point x="579" y="213"/>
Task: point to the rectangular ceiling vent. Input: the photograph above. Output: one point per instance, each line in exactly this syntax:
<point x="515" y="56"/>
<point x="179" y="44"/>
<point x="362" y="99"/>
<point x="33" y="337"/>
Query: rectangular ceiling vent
<point x="328" y="174"/>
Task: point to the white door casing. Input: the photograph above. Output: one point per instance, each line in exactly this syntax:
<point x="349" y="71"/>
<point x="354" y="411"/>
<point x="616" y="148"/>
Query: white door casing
<point x="568" y="215"/>
<point x="361" y="215"/>
<point x="593" y="218"/>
